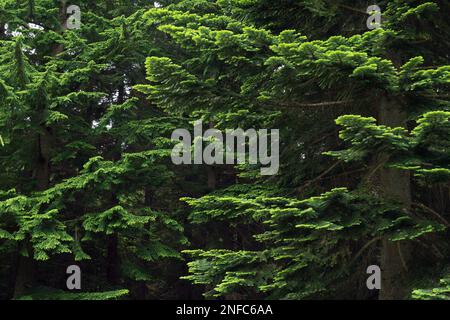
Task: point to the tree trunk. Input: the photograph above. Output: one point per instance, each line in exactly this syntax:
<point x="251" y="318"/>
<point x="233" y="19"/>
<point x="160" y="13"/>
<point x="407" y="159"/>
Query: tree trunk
<point x="25" y="264"/>
<point x="212" y="178"/>
<point x="112" y="260"/>
<point x="395" y="184"/>
<point x="25" y="270"/>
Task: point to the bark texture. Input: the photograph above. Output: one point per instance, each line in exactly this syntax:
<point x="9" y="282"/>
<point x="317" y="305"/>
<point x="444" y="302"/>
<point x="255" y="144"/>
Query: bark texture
<point x="394" y="184"/>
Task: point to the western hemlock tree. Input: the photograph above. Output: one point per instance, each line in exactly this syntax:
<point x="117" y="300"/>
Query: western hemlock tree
<point x="299" y="80"/>
<point x="86" y="117"/>
<point x="85" y="163"/>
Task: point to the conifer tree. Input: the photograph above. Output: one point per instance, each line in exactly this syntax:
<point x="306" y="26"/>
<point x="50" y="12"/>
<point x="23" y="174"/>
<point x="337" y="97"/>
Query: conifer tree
<point x="85" y="161"/>
<point x="299" y="80"/>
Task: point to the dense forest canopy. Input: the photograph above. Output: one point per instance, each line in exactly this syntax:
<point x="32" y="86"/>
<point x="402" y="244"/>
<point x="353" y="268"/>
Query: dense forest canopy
<point x="92" y="91"/>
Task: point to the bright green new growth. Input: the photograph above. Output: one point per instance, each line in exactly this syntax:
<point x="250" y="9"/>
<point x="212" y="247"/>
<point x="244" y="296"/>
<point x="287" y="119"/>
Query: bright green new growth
<point x="86" y="117"/>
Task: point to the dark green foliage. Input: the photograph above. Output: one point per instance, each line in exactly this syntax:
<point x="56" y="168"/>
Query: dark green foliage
<point x="439" y="293"/>
<point x="86" y="178"/>
<point x="45" y="294"/>
<point x="301" y="240"/>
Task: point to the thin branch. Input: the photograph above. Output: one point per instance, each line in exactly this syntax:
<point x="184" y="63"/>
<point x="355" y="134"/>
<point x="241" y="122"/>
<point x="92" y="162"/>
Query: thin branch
<point x="351" y="8"/>
<point x="345" y="173"/>
<point x="402" y="259"/>
<point x="437" y="215"/>
<point x="324" y="137"/>
<point x="318" y="104"/>
<point x="377" y="167"/>
<point x="367" y="245"/>
<point x="433" y="248"/>
<point x="320" y="176"/>
<point x="437" y="96"/>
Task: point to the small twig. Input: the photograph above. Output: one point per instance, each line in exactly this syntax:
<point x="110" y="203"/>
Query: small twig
<point x="367" y="245"/>
<point x="439" y="253"/>
<point x="401" y="257"/>
<point x="377" y="167"/>
<point x="320" y="176"/>
<point x="437" y="96"/>
<point x="317" y="104"/>
<point x="324" y="137"/>
<point x="345" y="173"/>
<point x="437" y="215"/>
<point x="434" y="250"/>
<point x="351" y="8"/>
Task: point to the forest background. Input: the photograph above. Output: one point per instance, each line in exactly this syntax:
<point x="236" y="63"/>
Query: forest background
<point x="86" y="116"/>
